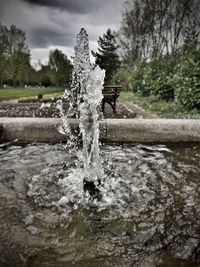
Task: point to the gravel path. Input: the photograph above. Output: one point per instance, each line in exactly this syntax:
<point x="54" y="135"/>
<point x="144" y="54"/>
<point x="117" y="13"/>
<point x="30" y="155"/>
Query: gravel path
<point x="48" y="110"/>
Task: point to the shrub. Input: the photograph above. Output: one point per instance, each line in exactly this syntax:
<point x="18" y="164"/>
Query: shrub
<point x="40" y="97"/>
<point x="122" y="77"/>
<point x="137" y="81"/>
<point x="149" y="78"/>
<point x="158" y="78"/>
<point x="28" y="99"/>
<point x="155" y="78"/>
<point x="187" y="81"/>
<point x="51" y="96"/>
<point x="163" y="86"/>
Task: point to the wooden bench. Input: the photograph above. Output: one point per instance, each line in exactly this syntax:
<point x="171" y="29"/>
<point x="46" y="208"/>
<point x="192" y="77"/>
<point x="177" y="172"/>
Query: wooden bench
<point x="110" y="96"/>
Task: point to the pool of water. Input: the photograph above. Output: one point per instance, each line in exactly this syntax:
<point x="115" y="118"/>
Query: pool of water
<point x="148" y="215"/>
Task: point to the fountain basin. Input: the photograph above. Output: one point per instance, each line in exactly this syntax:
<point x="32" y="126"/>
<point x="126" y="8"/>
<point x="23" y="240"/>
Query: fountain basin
<point x="148" y="215"/>
<point x="111" y="130"/>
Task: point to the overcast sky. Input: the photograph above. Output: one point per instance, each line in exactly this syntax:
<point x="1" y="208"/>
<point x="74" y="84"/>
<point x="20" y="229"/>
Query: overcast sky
<point x="53" y="24"/>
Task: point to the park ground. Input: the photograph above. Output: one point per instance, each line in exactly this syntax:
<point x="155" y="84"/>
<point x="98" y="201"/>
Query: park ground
<point x="129" y="105"/>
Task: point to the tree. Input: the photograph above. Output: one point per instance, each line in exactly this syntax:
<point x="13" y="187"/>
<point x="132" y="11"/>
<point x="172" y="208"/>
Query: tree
<point x="151" y="29"/>
<point x="3" y="45"/>
<point x="24" y="69"/>
<point x="107" y="57"/>
<point x="60" y="68"/>
<point x="43" y="75"/>
<point x="17" y="53"/>
<point x="33" y="77"/>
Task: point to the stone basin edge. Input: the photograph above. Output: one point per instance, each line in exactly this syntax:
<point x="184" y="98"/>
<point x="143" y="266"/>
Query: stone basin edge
<point x="111" y="130"/>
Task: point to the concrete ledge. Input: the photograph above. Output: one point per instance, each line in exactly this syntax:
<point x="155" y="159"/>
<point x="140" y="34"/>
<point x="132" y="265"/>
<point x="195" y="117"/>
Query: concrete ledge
<point x="1" y="130"/>
<point x="152" y="130"/>
<point x="111" y="130"/>
<point x="32" y="129"/>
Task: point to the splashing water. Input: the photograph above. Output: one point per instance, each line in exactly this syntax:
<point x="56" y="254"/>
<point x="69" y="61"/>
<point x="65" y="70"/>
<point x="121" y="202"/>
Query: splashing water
<point x="87" y="84"/>
<point x="149" y="212"/>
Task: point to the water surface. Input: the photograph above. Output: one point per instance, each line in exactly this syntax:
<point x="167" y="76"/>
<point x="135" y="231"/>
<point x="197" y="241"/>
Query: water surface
<point x="149" y="214"/>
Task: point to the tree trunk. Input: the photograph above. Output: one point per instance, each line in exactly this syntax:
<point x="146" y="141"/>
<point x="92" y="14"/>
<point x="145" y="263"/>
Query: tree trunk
<point x="21" y="83"/>
<point x="14" y="82"/>
<point x="1" y="81"/>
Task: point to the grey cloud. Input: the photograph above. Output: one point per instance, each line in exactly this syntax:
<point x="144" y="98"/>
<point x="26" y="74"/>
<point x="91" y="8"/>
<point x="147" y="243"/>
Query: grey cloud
<point x="57" y="22"/>
<point x="73" y="6"/>
<point x="45" y="37"/>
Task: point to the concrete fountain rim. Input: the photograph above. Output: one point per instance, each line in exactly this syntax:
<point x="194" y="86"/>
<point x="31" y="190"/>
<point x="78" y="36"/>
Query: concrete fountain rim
<point x="111" y="130"/>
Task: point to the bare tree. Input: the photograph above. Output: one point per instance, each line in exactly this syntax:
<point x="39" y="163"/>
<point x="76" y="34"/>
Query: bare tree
<point x="151" y="28"/>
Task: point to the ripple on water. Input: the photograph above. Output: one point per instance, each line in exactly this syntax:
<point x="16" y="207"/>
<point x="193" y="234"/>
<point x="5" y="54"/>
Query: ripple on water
<point x="148" y="215"/>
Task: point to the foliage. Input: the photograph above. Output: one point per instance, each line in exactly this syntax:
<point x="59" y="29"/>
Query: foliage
<point x="3" y="45"/>
<point x="43" y="77"/>
<point x="107" y="57"/>
<point x="15" y="67"/>
<point x="60" y="68"/>
<point x="28" y="99"/>
<point x="152" y="29"/>
<point x="51" y="96"/>
<point x="164" y="109"/>
<point x="45" y="81"/>
<point x="187" y="81"/>
<point x="170" y="78"/>
<point x="16" y="53"/>
<point x="155" y="78"/>
<point x="137" y="83"/>
<point x="46" y="97"/>
<point x="123" y="78"/>
<point x="34" y="77"/>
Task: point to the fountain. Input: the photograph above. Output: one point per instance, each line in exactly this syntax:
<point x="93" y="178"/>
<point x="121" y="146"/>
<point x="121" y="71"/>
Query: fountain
<point x="87" y="84"/>
<point x="148" y="212"/>
<point x="85" y="99"/>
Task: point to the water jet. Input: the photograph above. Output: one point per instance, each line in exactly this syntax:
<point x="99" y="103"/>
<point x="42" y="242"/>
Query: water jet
<point x="87" y="85"/>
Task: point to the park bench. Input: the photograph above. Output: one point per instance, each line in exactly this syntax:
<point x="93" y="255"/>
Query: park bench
<point x="110" y="96"/>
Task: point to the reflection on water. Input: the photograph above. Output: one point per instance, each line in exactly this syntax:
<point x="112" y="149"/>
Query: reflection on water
<point x="149" y="214"/>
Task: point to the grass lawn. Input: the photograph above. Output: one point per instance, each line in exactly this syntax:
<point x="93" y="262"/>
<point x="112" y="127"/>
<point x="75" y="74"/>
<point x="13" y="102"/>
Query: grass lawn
<point x="163" y="109"/>
<point x="16" y="93"/>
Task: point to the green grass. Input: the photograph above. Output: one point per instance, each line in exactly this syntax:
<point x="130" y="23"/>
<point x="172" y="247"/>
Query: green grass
<point x="162" y="108"/>
<point x="16" y="93"/>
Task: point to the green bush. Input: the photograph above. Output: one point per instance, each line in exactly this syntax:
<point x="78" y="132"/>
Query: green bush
<point x="164" y="72"/>
<point x="170" y="78"/>
<point x="155" y="78"/>
<point x="187" y="81"/>
<point x="137" y="81"/>
<point x="122" y="77"/>
<point x="158" y="78"/>
<point x="149" y="77"/>
<point x="28" y="99"/>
